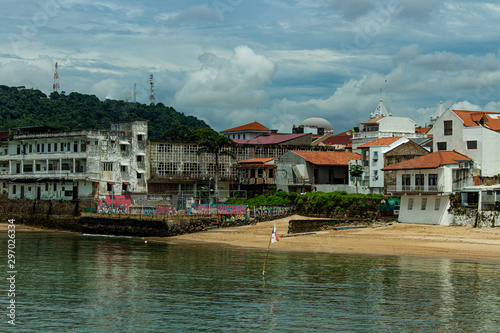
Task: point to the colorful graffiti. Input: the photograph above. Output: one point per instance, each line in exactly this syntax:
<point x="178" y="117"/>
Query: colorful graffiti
<point x="240" y="212"/>
<point x="272" y="211"/>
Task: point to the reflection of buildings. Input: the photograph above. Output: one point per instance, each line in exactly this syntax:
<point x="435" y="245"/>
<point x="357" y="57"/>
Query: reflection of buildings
<point x="46" y="163"/>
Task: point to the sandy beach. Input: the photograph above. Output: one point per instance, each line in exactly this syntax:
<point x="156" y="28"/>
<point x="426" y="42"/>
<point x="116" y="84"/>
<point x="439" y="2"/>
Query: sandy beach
<point x="453" y="242"/>
<point x="398" y="239"/>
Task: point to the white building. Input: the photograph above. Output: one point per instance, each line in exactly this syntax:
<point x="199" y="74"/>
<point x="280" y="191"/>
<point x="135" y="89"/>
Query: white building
<point x="473" y="133"/>
<point x="306" y="171"/>
<point x="381" y="125"/>
<point x="425" y="184"/>
<point x="45" y="163"/>
<point x="372" y="158"/>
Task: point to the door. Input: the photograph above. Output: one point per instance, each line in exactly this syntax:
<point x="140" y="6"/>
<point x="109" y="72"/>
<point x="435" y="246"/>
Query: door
<point x="22" y="191"/>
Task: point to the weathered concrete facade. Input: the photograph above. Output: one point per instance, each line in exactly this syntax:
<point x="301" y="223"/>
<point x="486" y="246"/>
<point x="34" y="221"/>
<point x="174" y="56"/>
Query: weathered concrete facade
<point x="44" y="163"/>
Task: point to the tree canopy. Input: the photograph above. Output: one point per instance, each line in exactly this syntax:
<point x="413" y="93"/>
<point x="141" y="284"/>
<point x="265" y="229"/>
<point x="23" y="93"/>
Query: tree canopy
<point x="20" y="107"/>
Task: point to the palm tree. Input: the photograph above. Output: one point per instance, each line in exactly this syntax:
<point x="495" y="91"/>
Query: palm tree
<point x="213" y="143"/>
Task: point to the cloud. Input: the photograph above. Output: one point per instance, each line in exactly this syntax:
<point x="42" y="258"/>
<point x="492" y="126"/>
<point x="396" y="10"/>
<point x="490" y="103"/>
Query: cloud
<point x="465" y="105"/>
<point x="420" y="11"/>
<point x="353" y="9"/>
<point x="201" y="13"/>
<point x="235" y="82"/>
<point x="111" y="89"/>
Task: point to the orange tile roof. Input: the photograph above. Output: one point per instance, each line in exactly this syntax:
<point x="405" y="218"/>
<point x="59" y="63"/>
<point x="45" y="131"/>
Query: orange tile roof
<point x="429" y="161"/>
<point x="422" y="129"/>
<point x="256" y="160"/>
<point x="472" y="118"/>
<point x="255" y="126"/>
<point x="381" y="142"/>
<point x="327" y="157"/>
<point x="374" y="120"/>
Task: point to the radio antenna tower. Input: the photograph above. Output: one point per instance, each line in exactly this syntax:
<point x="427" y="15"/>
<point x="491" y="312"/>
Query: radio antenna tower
<point x="134" y="93"/>
<point x="151" y="90"/>
<point x="55" y="86"/>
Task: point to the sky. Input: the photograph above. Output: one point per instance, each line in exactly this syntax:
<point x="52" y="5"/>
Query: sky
<point x="278" y="62"/>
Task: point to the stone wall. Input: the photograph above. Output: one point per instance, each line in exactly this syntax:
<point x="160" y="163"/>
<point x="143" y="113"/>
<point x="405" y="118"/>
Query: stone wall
<point x="149" y="227"/>
<point x="472" y="218"/>
<point x="52" y="214"/>
<point x="300" y="226"/>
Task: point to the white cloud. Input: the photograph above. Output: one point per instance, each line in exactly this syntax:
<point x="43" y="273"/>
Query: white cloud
<point x="236" y="82"/>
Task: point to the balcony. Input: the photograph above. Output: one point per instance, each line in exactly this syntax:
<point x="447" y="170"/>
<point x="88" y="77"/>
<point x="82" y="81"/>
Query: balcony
<point x="43" y="175"/>
<point x="415" y="189"/>
<point x="376" y="134"/>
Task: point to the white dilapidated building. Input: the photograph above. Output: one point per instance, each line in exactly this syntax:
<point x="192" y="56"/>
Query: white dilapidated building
<point x="46" y="163"/>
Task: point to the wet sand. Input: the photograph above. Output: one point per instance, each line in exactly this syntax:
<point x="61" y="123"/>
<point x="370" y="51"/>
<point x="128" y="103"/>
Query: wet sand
<point x="398" y="239"/>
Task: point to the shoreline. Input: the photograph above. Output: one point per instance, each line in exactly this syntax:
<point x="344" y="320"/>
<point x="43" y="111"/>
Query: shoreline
<point x="398" y="239"/>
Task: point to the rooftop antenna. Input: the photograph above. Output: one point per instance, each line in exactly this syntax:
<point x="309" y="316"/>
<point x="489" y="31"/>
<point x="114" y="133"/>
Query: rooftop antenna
<point x="151" y="90"/>
<point x="55" y="85"/>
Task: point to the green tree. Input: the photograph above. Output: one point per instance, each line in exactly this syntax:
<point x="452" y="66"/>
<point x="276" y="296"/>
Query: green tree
<point x="356" y="171"/>
<point x="214" y="143"/>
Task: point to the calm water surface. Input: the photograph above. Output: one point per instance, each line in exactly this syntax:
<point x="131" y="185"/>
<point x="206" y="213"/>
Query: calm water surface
<point x="78" y="283"/>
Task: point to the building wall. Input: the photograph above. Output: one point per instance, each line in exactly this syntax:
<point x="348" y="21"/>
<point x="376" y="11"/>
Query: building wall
<point x="397" y="124"/>
<point x="434" y="212"/>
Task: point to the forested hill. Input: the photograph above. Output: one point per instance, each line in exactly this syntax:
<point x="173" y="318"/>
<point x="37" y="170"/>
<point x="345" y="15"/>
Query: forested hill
<point x="21" y="107"/>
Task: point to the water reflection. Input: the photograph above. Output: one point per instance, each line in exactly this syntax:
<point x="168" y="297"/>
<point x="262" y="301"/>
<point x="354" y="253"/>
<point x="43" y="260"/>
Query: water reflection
<point x="88" y="283"/>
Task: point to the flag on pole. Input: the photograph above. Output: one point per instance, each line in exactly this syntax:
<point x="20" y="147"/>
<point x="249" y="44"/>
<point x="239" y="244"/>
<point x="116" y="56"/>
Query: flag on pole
<point x="274" y="236"/>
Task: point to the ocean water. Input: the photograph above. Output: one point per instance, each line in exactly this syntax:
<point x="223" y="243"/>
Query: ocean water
<point x="76" y="283"/>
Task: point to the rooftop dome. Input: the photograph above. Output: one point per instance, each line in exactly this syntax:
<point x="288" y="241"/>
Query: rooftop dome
<point x="317" y="123"/>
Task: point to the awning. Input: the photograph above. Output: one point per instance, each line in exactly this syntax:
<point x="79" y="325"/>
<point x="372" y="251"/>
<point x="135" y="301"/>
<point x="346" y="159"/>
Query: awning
<point x="141" y="133"/>
<point x="111" y="183"/>
<point x="141" y="154"/>
<point x="124" y="142"/>
<point x="141" y="171"/>
<point x="126" y="183"/>
<point x="124" y="163"/>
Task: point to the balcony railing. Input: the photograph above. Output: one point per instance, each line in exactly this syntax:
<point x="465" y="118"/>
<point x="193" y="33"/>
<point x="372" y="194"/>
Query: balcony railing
<point x="363" y="135"/>
<point x="415" y="189"/>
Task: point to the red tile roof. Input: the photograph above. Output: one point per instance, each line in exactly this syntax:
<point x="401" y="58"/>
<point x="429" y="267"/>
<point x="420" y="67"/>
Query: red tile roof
<point x="429" y="161"/>
<point x="337" y="140"/>
<point x="272" y="139"/>
<point x="255" y="126"/>
<point x="381" y="142"/>
<point x="328" y="157"/>
<point x="490" y="120"/>
<point x="261" y="160"/>
<point x="4" y="135"/>
<point x="422" y="129"/>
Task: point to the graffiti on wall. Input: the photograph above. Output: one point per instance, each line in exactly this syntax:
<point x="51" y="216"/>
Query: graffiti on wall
<point x="272" y="211"/>
<point x="240" y="212"/>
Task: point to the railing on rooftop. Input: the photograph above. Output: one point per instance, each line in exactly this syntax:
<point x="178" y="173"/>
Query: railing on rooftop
<point x="414" y="189"/>
<point x="363" y="135"/>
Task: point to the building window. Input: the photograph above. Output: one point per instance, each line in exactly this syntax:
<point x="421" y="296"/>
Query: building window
<point x="124" y="187"/>
<point x="437" y="203"/>
<point x="410" y="203"/>
<point x="110" y="187"/>
<point x="55" y="147"/>
<point x="18" y="149"/>
<point x="14" y="189"/>
<point x="433" y="177"/>
<point x="406" y="180"/>
<point x="107" y="166"/>
<point x="419" y="180"/>
<point x="441" y="145"/>
<point x="139" y="175"/>
<point x="62" y="146"/>
<point x="55" y="187"/>
<point x="424" y="203"/>
<point x="38" y="167"/>
<point x="28" y="168"/>
<point x="46" y="187"/>
<point x="139" y="158"/>
<point x="375" y="155"/>
<point x="123" y="168"/>
<point x="471" y="144"/>
<point x="448" y="127"/>
<point x="30" y="148"/>
<point x="49" y="147"/>
<point x="140" y="137"/>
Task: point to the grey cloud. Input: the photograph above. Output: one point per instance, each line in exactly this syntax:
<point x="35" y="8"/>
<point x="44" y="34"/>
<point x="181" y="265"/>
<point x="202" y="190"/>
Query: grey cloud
<point x="353" y="9"/>
<point x="421" y="10"/>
